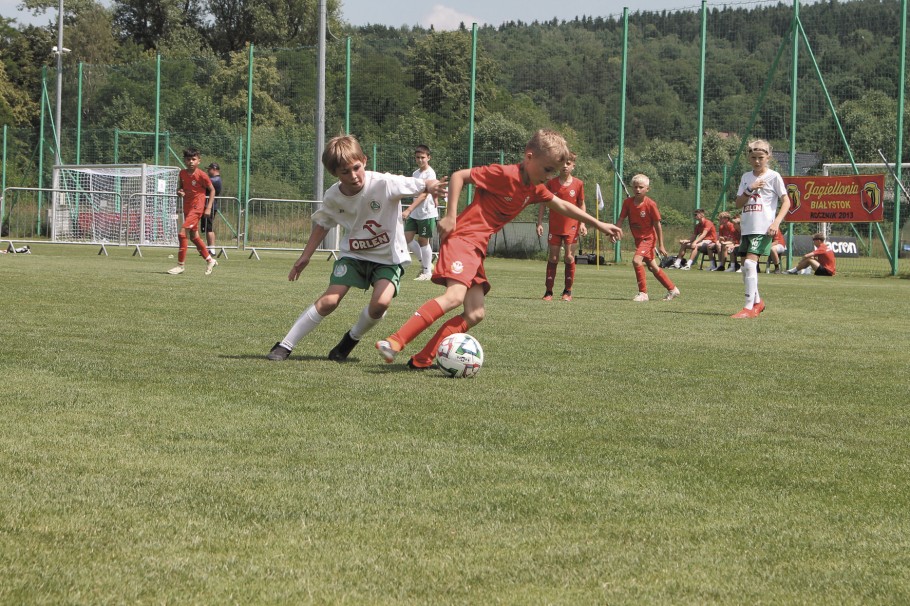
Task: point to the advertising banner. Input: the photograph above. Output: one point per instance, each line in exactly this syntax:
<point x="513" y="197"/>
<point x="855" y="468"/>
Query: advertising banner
<point x="839" y="199"/>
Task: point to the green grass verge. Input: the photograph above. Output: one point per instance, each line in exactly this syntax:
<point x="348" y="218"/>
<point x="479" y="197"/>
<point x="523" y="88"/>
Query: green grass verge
<point x="608" y="452"/>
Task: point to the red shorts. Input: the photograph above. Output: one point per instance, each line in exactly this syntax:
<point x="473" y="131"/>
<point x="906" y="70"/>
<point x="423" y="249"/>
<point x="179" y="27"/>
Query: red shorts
<point x="557" y="240"/>
<point x="645" y="248"/>
<point x="191" y="216"/>
<point x="461" y="261"/>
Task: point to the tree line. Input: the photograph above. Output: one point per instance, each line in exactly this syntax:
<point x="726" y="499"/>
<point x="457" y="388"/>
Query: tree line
<point x="413" y="84"/>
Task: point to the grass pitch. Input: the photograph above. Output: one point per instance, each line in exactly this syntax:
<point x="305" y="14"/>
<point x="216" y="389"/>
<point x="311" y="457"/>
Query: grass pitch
<point x="608" y="452"/>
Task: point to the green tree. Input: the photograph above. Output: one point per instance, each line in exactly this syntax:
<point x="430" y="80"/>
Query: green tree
<point x="229" y="82"/>
<point x="16" y="108"/>
<point x="148" y="22"/>
<point x="441" y="66"/>
<point x="266" y="22"/>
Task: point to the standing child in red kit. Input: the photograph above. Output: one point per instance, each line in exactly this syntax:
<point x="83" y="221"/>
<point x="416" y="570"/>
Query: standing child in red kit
<point x="194" y="185"/>
<point x="563" y="231"/>
<point x="502" y="193"/>
<point x="644" y="223"/>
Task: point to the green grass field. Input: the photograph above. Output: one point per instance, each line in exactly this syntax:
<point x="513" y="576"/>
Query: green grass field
<point x="609" y="452"/>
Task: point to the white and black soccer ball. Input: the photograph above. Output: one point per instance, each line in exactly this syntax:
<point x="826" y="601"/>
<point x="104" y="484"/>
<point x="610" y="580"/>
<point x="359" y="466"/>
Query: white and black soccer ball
<point x="460" y="355"/>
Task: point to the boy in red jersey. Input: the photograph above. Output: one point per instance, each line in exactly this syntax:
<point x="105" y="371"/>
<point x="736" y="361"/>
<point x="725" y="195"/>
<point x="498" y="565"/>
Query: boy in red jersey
<point x="702" y="241"/>
<point x="778" y="247"/>
<point x="644" y="223"/>
<point x="502" y="193"/>
<point x="727" y="241"/>
<point x="194" y="185"/>
<point x="821" y="259"/>
<point x="563" y="231"/>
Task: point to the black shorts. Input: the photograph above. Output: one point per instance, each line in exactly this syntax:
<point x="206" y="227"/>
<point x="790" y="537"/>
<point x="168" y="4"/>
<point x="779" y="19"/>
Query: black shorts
<point x="821" y="271"/>
<point x="207" y="224"/>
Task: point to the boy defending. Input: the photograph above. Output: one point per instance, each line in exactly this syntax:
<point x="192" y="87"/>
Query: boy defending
<point x="368" y="206"/>
<point x="502" y="193"/>
<point x="193" y="186"/>
<point x="420" y="217"/>
<point x="563" y="231"/>
<point x="644" y="223"/>
<point x="760" y="192"/>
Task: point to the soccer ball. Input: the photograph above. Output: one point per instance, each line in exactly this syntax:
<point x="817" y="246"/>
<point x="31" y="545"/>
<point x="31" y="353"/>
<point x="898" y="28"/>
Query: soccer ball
<point x="460" y="355"/>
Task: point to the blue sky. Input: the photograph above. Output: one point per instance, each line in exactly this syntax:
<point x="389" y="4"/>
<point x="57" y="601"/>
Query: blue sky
<point x="447" y="14"/>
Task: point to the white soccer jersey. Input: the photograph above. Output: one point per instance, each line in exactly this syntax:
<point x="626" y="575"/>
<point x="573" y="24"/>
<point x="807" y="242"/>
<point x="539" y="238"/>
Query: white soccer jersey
<point x="371" y="218"/>
<point x="427" y="209"/>
<point x="760" y="209"/>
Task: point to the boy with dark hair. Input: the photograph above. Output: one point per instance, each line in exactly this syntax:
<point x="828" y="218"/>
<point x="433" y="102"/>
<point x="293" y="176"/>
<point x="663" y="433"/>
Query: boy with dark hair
<point x="193" y="186"/>
<point x="821" y="260"/>
<point x="702" y="241"/>
<point x="420" y="217"/>
<point x="207" y="224"/>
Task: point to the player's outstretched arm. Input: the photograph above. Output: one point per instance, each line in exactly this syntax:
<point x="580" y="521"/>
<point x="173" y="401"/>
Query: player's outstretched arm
<point x="573" y="212"/>
<point x="316" y="236"/>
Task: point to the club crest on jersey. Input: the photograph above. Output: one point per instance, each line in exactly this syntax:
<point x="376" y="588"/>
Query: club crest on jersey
<point x="340" y="270"/>
<point x="572" y="193"/>
<point x="642" y="214"/>
<point x="375" y="205"/>
<point x="457" y="267"/>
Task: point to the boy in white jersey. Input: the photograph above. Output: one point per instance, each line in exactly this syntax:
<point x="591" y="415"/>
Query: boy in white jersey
<point x="420" y="217"/>
<point x="374" y="252"/>
<point x="762" y="196"/>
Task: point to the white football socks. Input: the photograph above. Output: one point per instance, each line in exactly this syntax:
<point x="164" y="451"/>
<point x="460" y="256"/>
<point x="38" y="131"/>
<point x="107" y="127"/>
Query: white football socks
<point x="750" y="279"/>
<point x="304" y="325"/>
<point x="364" y="323"/>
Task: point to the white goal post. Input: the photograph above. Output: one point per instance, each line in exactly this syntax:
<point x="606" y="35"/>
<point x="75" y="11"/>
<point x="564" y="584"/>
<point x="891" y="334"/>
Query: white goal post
<point x="120" y="204"/>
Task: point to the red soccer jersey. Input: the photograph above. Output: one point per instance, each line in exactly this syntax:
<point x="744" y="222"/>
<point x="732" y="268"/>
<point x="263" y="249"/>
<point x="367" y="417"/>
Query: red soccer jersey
<point x="500" y="196"/>
<point x="729" y="231"/>
<point x="712" y="231"/>
<point x="574" y="192"/>
<point x="779" y="238"/>
<point x="195" y="186"/>
<point x="642" y="217"/>
<point x="825" y="258"/>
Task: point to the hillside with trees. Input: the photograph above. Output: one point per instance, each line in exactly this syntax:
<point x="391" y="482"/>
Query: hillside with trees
<point x="412" y="84"/>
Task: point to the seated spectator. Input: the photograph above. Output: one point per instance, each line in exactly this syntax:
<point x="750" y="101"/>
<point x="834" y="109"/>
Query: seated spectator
<point x="727" y="242"/>
<point x="702" y="241"/>
<point x="778" y="247"/>
<point x="821" y="259"/>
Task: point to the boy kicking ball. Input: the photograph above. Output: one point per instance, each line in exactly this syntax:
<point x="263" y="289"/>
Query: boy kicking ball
<point x="374" y="252"/>
<point x="502" y="193"/>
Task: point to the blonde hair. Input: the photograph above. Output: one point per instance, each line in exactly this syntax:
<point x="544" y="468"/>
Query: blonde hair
<point x="549" y="143"/>
<point x="643" y="179"/>
<point x="340" y="151"/>
<point x="723" y="215"/>
<point x="760" y="145"/>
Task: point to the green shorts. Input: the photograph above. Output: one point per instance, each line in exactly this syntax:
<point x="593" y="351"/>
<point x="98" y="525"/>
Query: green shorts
<point x="755" y="244"/>
<point x="362" y="274"/>
<point x="422" y="227"/>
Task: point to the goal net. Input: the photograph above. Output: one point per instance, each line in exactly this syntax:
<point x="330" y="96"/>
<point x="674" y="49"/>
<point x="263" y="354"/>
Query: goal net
<point x="115" y="204"/>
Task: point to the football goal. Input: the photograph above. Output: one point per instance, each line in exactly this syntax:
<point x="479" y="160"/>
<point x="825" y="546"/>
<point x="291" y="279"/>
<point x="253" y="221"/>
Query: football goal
<point x="118" y="204"/>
